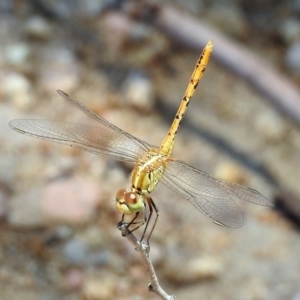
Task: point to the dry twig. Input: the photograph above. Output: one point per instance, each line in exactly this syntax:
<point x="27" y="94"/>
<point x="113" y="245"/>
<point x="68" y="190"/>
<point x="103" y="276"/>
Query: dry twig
<point x="144" y="250"/>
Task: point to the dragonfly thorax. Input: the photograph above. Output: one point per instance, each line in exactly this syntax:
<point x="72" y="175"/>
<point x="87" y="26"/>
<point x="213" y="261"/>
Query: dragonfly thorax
<point x="148" y="171"/>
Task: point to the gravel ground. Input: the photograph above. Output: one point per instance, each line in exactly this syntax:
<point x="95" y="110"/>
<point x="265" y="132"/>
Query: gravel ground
<point x="58" y="237"/>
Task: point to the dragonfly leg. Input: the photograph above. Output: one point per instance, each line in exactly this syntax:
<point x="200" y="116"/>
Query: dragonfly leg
<point x="147" y="217"/>
<point x="152" y="207"/>
<point x="133" y="222"/>
<point x="122" y="221"/>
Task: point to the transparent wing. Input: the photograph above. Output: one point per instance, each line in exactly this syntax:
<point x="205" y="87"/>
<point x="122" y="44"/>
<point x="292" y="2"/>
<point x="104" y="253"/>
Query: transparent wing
<point x="99" y="140"/>
<point x="105" y="139"/>
<point x="213" y="197"/>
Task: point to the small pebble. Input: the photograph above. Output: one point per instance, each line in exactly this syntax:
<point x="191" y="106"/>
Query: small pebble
<point x="74" y="279"/>
<point x="3" y="205"/>
<point x="115" y="22"/>
<point x="59" y="69"/>
<point x="37" y="27"/>
<point x="99" y="288"/>
<point x="25" y="209"/>
<point x="230" y="172"/>
<point x="15" y="87"/>
<point x="228" y="16"/>
<point x="100" y="258"/>
<point x="59" y="234"/>
<point x="77" y="10"/>
<point x="292" y="57"/>
<point x="203" y="268"/>
<point x="272" y="126"/>
<point x="17" y="54"/>
<point x="91" y="8"/>
<point x="179" y="270"/>
<point x="76" y="252"/>
<point x="70" y="200"/>
<point x="290" y="30"/>
<point x="138" y="91"/>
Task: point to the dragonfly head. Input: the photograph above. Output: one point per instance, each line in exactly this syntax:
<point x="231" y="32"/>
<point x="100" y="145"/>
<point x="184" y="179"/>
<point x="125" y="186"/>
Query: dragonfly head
<point x="129" y="202"/>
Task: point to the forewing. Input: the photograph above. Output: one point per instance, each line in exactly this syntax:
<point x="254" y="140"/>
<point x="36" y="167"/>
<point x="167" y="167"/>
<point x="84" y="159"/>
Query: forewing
<point x="213" y="197"/>
<point x="104" y="122"/>
<point x="103" y="139"/>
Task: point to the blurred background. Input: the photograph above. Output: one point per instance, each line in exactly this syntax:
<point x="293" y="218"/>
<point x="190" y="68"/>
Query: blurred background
<point x="130" y="62"/>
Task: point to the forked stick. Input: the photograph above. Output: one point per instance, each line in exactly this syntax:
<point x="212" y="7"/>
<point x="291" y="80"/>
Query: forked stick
<point x="143" y="249"/>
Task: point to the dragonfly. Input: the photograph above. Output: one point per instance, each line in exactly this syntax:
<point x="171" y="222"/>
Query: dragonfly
<point x="213" y="197"/>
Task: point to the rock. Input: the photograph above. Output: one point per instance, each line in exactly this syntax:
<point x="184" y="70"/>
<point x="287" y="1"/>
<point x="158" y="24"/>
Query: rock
<point x="181" y="270"/>
<point x="64" y="201"/>
<point x="99" y="288"/>
<point x="272" y="126"/>
<point x="57" y="235"/>
<point x="3" y="205"/>
<point x="74" y="278"/>
<point x="99" y="258"/>
<point x="38" y="28"/>
<point x="290" y="30"/>
<point x="138" y="91"/>
<point x="229" y="17"/>
<point x="17" y="54"/>
<point x="76" y="252"/>
<point x="202" y="268"/>
<point x="79" y="252"/>
<point x="59" y="69"/>
<point x="292" y="57"/>
<point x="115" y="28"/>
<point x="91" y="8"/>
<point x="78" y="9"/>
<point x="25" y="209"/>
<point x="231" y="172"/>
<point x="70" y="200"/>
<point x="16" y="88"/>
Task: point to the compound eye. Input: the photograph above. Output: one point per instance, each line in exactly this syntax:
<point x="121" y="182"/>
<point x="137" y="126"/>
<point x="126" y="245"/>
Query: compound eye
<point x="120" y="194"/>
<point x="131" y="198"/>
<point x="128" y="202"/>
<point x="133" y="201"/>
